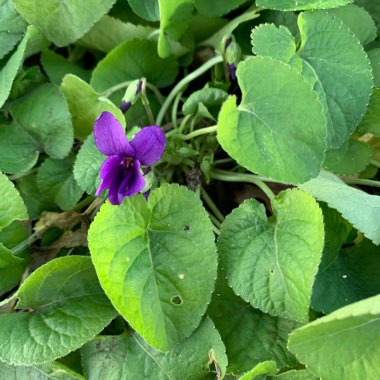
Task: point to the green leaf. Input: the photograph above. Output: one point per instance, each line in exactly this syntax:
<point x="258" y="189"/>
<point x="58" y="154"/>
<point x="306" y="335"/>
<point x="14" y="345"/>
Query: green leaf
<point x="46" y="371"/>
<point x="271" y="41"/>
<point x="374" y="57"/>
<point x="337" y="231"/>
<point x="56" y="67"/>
<point x="373" y="7"/>
<point x="9" y="69"/>
<point x="175" y="18"/>
<point x="284" y="138"/>
<point x="127" y="356"/>
<point x="302" y="374"/>
<point x="247" y="332"/>
<point x="359" y="208"/>
<point x="110" y="32"/>
<point x="11" y="269"/>
<point x="339" y="70"/>
<point x="359" y="21"/>
<point x="66" y="307"/>
<point x="264" y="368"/>
<point x="133" y="60"/>
<point x="297" y="5"/>
<point x="156" y="261"/>
<point x="44" y="116"/>
<point x="351" y="158"/>
<point x="146" y="9"/>
<point x="11" y="207"/>
<point x="56" y="181"/>
<point x="86" y="105"/>
<point x="272" y="262"/>
<point x="63" y="21"/>
<point x="211" y="98"/>
<point x="87" y="166"/>
<point x="371" y="120"/>
<point x="18" y="151"/>
<point x="216" y="8"/>
<point x="322" y="345"/>
<point x="334" y="63"/>
<point x="12" y="27"/>
<point x="353" y="276"/>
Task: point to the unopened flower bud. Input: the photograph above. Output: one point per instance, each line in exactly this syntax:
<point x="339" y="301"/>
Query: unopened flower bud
<point x="132" y="94"/>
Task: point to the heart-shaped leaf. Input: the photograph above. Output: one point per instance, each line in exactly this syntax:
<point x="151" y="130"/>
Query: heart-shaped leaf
<point x="272" y="262"/>
<point x="156" y="261"/>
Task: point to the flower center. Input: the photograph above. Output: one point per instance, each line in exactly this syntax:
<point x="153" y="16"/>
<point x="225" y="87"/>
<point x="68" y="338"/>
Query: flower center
<point x="128" y="161"/>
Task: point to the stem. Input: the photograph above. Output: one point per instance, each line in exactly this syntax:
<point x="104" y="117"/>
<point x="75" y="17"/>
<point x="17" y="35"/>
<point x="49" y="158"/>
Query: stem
<point x="148" y="110"/>
<point x="86" y="201"/>
<point x="175" y="109"/>
<point x="223" y="161"/>
<point x="249" y="178"/>
<point x="182" y="83"/>
<point x="216" y="230"/>
<point x="155" y="91"/>
<point x="210" y="203"/>
<point x="115" y="88"/>
<point x="27" y="242"/>
<point x="214" y="220"/>
<point x="361" y="181"/>
<point x="199" y="132"/>
<point x="375" y="163"/>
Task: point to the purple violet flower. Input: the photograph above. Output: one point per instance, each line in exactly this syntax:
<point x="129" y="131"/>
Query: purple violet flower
<point x="120" y="172"/>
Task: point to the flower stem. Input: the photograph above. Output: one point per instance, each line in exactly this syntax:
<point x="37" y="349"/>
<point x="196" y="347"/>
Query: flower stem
<point x="221" y="175"/>
<point x="199" y="132"/>
<point x="148" y="110"/>
<point x="175" y="109"/>
<point x="361" y="181"/>
<point x="115" y="88"/>
<point x="181" y="84"/>
<point x="216" y="230"/>
<point x="210" y="203"/>
<point x="214" y="220"/>
<point x="27" y="242"/>
<point x="375" y="163"/>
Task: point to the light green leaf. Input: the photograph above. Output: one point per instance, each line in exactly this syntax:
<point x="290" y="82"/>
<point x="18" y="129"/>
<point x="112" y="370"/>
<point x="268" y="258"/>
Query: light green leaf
<point x="55" y="179"/>
<point x="156" y="261"/>
<point x="63" y="21"/>
<point x="127" y="356"/>
<point x="46" y="371"/>
<point x="18" y="151"/>
<point x="359" y="208"/>
<point x="11" y="269"/>
<point x="110" y="32"/>
<point x="322" y="345"/>
<point x="56" y="67"/>
<point x="284" y="138"/>
<point x="247" y="332"/>
<point x="175" y="16"/>
<point x="264" y="368"/>
<point x="353" y="276"/>
<point x="66" y="307"/>
<point x="87" y="166"/>
<point x="211" y="98"/>
<point x="12" y="27"/>
<point x="133" y="60"/>
<point x="216" y="8"/>
<point x="86" y="105"/>
<point x="297" y="5"/>
<point x="351" y="158"/>
<point x="11" y="205"/>
<point x="146" y="9"/>
<point x="43" y="114"/>
<point x="371" y="120"/>
<point x="272" y="262"/>
<point x="9" y="69"/>
<point x="359" y="21"/>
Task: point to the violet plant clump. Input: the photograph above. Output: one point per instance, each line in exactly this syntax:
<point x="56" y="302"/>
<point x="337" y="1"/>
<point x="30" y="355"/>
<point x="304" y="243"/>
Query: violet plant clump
<point x="190" y="189"/>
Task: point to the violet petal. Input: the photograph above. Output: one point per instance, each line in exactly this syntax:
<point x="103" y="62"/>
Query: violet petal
<point x="149" y="145"/>
<point x="133" y="183"/>
<point x="108" y="172"/>
<point x="110" y="137"/>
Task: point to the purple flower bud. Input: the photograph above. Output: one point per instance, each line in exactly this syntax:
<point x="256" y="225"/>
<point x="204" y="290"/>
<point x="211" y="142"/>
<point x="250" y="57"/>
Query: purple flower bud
<point x="232" y="71"/>
<point x="120" y="172"/>
<point x="125" y="106"/>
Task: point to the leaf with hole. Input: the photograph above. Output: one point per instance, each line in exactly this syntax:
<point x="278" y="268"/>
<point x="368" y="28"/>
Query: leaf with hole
<point x="156" y="261"/>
